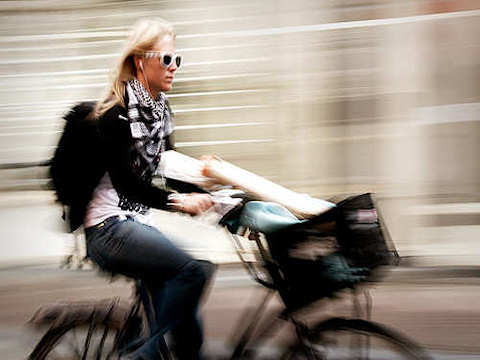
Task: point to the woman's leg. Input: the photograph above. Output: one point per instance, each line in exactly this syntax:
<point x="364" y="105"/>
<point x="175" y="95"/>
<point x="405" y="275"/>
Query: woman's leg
<point x="175" y="304"/>
<point x="182" y="335"/>
<point x="175" y="280"/>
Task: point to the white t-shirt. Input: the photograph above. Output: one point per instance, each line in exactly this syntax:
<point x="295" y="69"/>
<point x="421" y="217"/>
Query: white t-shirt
<point x="106" y="203"/>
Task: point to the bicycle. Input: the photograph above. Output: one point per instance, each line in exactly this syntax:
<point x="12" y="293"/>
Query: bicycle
<point x="110" y="328"/>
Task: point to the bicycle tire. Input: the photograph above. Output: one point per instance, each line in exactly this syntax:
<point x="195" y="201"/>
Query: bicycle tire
<point x="326" y="334"/>
<point x="52" y="344"/>
<point x="72" y="342"/>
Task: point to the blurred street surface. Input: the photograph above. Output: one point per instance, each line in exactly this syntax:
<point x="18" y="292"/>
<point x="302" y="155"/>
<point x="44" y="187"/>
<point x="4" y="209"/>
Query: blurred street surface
<point x="436" y="307"/>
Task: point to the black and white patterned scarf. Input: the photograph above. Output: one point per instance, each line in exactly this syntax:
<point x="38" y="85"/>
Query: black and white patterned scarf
<point x="150" y="124"/>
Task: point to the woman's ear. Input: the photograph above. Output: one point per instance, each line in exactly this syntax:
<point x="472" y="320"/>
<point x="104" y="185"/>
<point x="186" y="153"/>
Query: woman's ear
<point x="137" y="61"/>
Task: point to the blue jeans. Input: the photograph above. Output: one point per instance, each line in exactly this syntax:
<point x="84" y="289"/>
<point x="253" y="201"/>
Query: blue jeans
<point x="173" y="278"/>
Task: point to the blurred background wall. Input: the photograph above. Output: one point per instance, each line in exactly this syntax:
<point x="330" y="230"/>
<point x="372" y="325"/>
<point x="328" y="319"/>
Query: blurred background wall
<point x="323" y="97"/>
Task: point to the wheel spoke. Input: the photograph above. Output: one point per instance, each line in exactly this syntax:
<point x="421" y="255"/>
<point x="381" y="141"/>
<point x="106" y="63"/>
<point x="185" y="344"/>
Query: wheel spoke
<point x="88" y="338"/>
<point x="102" y="343"/>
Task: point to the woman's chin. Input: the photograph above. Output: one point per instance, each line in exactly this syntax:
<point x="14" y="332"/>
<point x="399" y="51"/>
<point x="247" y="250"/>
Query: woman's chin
<point x="167" y="87"/>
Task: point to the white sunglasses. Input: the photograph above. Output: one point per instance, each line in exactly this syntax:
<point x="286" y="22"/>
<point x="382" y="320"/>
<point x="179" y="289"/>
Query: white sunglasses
<point x="166" y="59"/>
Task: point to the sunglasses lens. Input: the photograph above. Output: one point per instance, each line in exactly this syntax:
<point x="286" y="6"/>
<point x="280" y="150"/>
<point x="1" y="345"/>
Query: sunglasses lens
<point x="178" y="60"/>
<point x="167" y="60"/>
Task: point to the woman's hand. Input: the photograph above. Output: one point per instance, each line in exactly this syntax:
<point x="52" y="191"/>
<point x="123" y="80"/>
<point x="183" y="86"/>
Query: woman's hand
<point x="193" y="203"/>
<point x="208" y="164"/>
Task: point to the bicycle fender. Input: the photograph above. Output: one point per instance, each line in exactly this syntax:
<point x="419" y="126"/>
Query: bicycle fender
<point x="74" y="313"/>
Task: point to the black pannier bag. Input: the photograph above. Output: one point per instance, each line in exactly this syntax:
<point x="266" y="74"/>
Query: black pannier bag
<point x="332" y="251"/>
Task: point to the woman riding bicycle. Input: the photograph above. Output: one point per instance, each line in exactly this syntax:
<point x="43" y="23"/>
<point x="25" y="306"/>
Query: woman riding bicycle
<point x="135" y="126"/>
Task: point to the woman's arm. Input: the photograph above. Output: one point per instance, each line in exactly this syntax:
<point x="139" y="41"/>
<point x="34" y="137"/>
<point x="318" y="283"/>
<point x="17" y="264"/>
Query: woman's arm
<point x="115" y="132"/>
<point x="178" y="185"/>
<point x="116" y="135"/>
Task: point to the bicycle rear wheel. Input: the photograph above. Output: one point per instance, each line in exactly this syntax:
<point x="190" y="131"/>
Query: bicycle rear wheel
<point x="339" y="338"/>
<point x="80" y="341"/>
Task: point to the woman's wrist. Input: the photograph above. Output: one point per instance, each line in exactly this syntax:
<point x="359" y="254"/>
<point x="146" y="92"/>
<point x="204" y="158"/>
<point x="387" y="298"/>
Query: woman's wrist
<point x="176" y="201"/>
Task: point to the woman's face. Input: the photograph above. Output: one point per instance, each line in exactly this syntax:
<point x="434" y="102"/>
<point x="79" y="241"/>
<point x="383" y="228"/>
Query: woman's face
<point x="157" y="76"/>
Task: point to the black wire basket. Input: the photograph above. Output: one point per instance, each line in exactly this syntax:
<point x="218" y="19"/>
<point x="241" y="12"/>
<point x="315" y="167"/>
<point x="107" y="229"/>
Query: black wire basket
<point x="337" y="249"/>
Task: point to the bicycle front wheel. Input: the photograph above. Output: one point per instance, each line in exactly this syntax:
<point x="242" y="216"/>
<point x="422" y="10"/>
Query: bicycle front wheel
<point x="339" y="339"/>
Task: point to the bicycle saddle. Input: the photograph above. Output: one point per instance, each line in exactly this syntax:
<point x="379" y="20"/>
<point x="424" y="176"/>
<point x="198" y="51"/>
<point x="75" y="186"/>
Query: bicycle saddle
<point x="266" y="217"/>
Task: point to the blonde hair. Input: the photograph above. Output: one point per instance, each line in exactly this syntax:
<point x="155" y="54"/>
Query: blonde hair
<point x="143" y="37"/>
